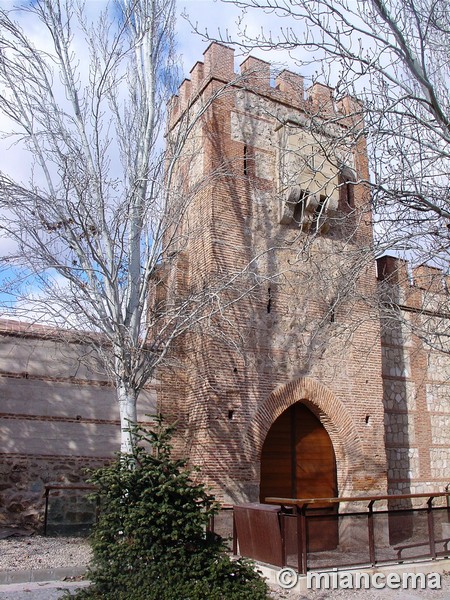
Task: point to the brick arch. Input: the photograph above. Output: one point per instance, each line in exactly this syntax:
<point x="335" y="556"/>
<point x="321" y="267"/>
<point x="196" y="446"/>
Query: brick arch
<point x="332" y="414"/>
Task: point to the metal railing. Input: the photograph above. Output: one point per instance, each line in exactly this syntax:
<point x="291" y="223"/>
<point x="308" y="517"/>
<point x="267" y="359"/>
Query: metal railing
<point x="326" y="533"/>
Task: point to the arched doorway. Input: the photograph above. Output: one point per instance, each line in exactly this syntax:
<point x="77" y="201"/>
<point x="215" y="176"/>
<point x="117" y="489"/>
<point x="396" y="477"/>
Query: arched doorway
<point x="298" y="461"/>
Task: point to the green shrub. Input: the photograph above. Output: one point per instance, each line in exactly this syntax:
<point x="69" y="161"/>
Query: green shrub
<point x="150" y="542"/>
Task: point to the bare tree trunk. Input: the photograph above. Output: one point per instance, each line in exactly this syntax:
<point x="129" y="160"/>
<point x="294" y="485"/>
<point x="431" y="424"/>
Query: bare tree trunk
<point x="128" y="415"/>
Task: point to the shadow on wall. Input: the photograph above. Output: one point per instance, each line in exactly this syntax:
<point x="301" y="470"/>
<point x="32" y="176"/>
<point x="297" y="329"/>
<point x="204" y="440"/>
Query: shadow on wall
<point x="57" y="419"/>
<point x="399" y="398"/>
<point x="278" y="318"/>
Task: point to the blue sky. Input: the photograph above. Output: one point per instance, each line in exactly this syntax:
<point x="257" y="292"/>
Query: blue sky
<point x="216" y="17"/>
<point x="220" y="18"/>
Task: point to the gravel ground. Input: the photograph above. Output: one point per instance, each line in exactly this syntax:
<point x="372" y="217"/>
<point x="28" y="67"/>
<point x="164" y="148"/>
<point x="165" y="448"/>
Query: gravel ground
<point x="373" y="594"/>
<point x="38" y="552"/>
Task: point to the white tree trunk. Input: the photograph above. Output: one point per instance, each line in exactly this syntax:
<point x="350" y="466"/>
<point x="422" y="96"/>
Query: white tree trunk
<point x="128" y="417"/>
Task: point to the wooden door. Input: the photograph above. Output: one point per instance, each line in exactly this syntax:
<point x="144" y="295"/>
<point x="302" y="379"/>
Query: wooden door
<point x="315" y="464"/>
<point x="298" y="461"/>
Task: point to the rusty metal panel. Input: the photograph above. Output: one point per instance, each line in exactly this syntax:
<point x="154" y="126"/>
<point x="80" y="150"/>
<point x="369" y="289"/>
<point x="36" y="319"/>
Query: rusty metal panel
<point x="322" y="529"/>
<point x="258" y="532"/>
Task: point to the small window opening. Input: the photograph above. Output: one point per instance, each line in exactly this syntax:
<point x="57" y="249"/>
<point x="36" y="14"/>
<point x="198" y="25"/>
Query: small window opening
<point x="298" y="212"/>
<point x="367" y="419"/>
<point x="235" y="370"/>
<point x="332" y="315"/>
<point x="350" y="194"/>
<point x="269" y="301"/>
<point x="245" y="160"/>
<point x="230" y="414"/>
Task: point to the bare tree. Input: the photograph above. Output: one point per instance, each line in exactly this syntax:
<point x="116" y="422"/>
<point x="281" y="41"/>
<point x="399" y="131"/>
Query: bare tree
<point x="90" y="225"/>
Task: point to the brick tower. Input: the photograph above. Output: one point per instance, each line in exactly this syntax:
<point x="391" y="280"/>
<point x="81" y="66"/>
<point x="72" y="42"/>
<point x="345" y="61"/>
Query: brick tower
<point x="278" y="390"/>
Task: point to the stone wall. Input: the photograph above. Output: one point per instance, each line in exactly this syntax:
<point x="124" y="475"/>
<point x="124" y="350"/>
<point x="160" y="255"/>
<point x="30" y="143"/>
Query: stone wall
<point x="280" y="242"/>
<point x="58" y="415"/>
<point x="416" y="372"/>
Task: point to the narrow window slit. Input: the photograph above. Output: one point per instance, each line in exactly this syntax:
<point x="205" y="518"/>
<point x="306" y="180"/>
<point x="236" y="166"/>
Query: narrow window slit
<point x="245" y="160"/>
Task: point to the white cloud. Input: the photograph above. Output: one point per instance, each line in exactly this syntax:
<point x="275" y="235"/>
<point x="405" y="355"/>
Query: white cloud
<point x="216" y="17"/>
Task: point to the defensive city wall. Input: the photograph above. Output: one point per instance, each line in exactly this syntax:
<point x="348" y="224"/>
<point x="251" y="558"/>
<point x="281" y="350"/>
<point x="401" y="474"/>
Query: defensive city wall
<point x="58" y="416"/>
<point x="324" y="345"/>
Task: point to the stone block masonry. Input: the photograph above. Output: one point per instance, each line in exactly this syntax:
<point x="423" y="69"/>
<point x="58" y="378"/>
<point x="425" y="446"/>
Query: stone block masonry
<point x="416" y="367"/>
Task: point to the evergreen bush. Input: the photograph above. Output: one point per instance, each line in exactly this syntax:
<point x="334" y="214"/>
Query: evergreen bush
<point x="150" y="542"/>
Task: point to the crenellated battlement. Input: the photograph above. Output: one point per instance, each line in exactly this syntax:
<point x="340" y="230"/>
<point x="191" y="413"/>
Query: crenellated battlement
<point x="254" y="75"/>
<point x="397" y="271"/>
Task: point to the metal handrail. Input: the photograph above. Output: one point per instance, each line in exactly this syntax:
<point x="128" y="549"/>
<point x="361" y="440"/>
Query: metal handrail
<point x="302" y="506"/>
<point x="308" y="501"/>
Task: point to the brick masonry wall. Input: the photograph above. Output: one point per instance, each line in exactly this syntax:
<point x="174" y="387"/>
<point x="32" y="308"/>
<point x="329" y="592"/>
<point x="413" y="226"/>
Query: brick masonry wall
<point x="294" y="323"/>
<point x="58" y="415"/>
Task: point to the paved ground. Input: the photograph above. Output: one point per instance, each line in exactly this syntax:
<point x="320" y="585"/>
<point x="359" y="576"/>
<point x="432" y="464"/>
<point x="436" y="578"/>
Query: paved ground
<point x="43" y="590"/>
<point x="54" y="590"/>
<point x="53" y="563"/>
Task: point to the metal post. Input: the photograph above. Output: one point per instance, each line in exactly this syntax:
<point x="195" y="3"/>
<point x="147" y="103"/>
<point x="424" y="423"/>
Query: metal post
<point x="431" y="527"/>
<point x="283" y="538"/>
<point x="370" y="527"/>
<point x="302" y="547"/>
<point x="235" y="544"/>
<point x="46" y="510"/>
<point x="210" y="526"/>
<point x="298" y="518"/>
